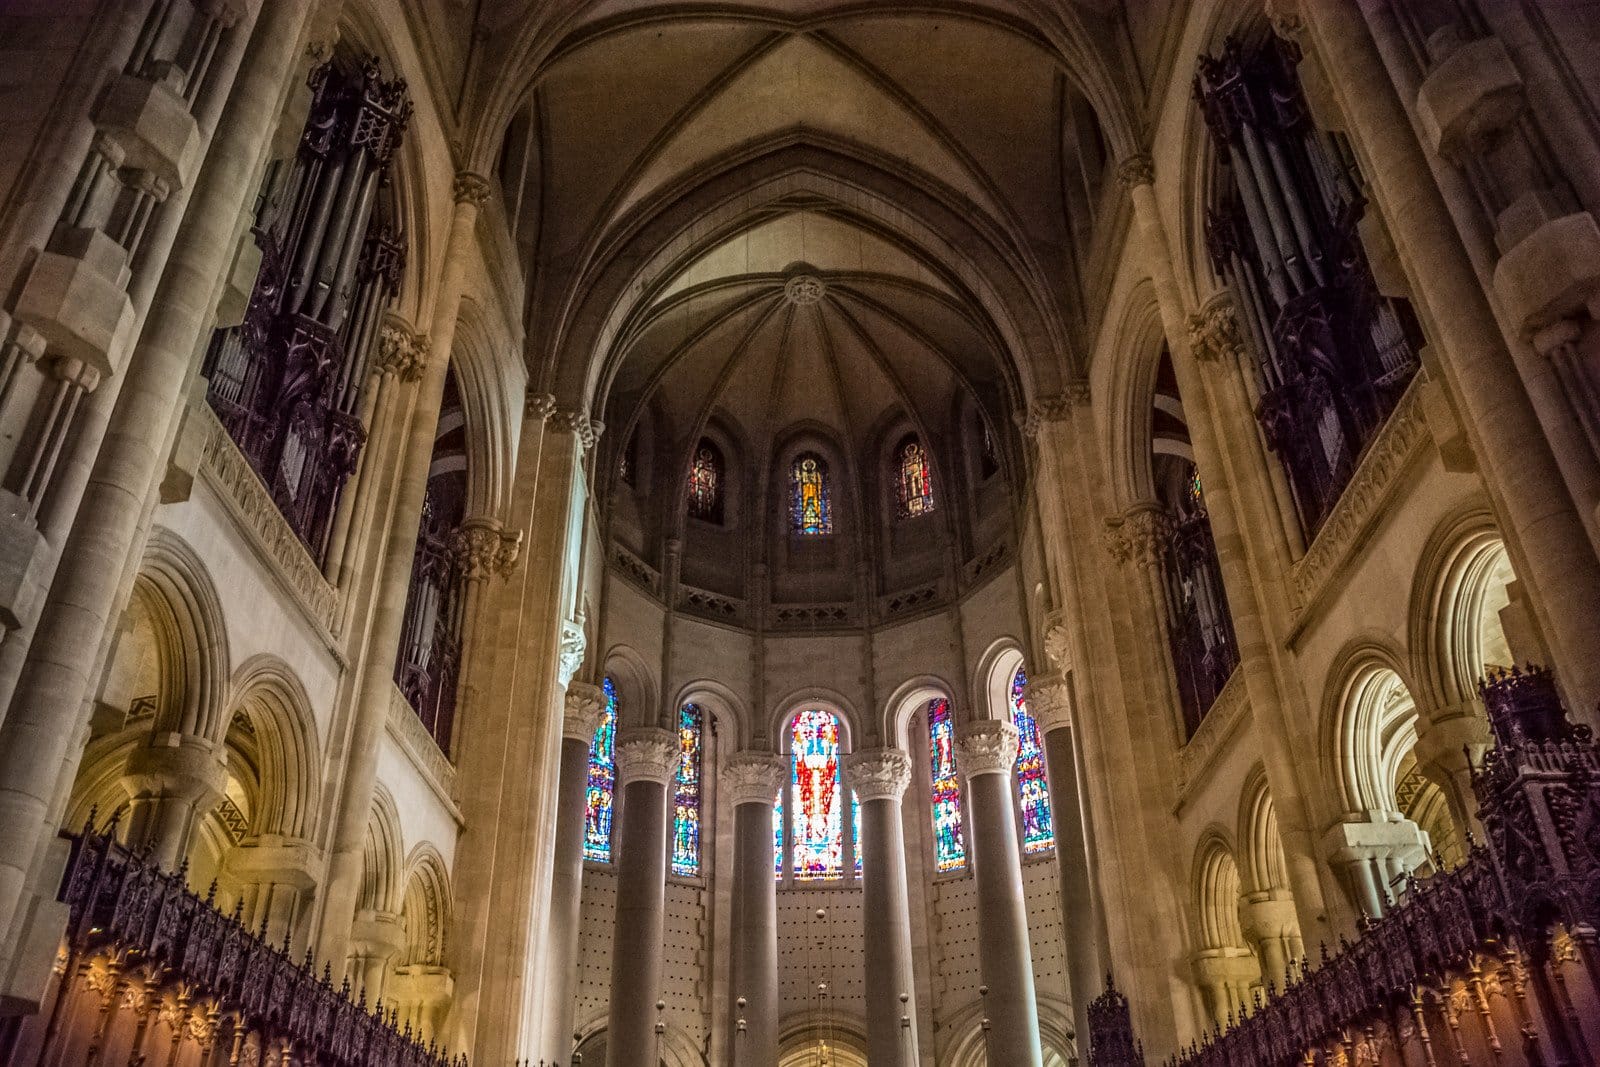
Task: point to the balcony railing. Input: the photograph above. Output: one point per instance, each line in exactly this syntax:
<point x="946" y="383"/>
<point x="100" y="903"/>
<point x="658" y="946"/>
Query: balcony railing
<point x="1496" y="961"/>
<point x="153" y="972"/>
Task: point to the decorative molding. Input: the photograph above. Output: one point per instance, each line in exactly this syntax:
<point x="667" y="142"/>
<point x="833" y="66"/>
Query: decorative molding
<point x="483" y="548"/>
<point x="470" y="188"/>
<point x="1137" y="169"/>
<point x="1058" y="642"/>
<point x="1226" y="713"/>
<point x="986" y="746"/>
<point x="1050" y="409"/>
<point x="582" y="709"/>
<point x="878" y="773"/>
<point x="538" y="406"/>
<point x="1049" y="702"/>
<point x="1214" y="333"/>
<point x="804" y="290"/>
<point x="1284" y="15"/>
<point x="647" y="754"/>
<point x="573" y="646"/>
<point x="423" y="751"/>
<point x="402" y="351"/>
<point x="251" y="505"/>
<point x="644" y="575"/>
<point x="1359" y="507"/>
<point x="752" y="778"/>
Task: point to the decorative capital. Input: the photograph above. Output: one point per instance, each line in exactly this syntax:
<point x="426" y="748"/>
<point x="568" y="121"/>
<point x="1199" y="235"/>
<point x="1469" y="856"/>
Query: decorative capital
<point x="1214" y="330"/>
<point x="1058" y="642"/>
<point x="1136" y="169"/>
<point x="1140" y="534"/>
<point x="538" y="406"/>
<point x="573" y="646"/>
<point x="803" y="290"/>
<point x="574" y="422"/>
<point x="752" y="777"/>
<point x="1286" y="20"/>
<point x="1045" y="410"/>
<point x="471" y="188"/>
<point x="1049" y="701"/>
<point x="475" y="544"/>
<point x="647" y="754"/>
<point x="508" y="552"/>
<point x="986" y="746"/>
<point x="878" y="773"/>
<point x="402" y="351"/>
<point x="582" y="711"/>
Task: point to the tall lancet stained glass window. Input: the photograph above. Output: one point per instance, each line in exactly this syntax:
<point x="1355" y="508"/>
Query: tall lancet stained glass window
<point x="705" y="482"/>
<point x="949" y="843"/>
<point x="817" y="830"/>
<point x="602" y="782"/>
<point x="686" y="793"/>
<point x="914" y="478"/>
<point x="1033" y="788"/>
<point x="810" y="506"/>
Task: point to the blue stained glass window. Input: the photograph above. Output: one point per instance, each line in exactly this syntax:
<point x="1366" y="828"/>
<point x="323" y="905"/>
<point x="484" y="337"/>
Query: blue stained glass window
<point x="777" y="836"/>
<point x="914" y="478"/>
<point x="811" y="510"/>
<point x="1033" y="787"/>
<point x="602" y="782"/>
<point x="686" y="793"/>
<point x="817" y="836"/>
<point x="950" y="846"/>
<point x="855" y="828"/>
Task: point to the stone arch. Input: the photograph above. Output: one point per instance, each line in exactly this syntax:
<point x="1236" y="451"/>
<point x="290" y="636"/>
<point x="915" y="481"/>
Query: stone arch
<point x="722" y="706"/>
<point x="175" y="593"/>
<point x="1218" y="889"/>
<point x="272" y="721"/>
<point x="425" y="908"/>
<point x="997" y="666"/>
<point x="491" y="404"/>
<point x="638" y="699"/>
<point x="909" y="698"/>
<point x="814" y="696"/>
<point x="381" y="852"/>
<point x="1369" y="725"/>
<point x="1139" y="342"/>
<point x="1262" y="867"/>
<point x="802" y="1034"/>
<point x="1455" y="633"/>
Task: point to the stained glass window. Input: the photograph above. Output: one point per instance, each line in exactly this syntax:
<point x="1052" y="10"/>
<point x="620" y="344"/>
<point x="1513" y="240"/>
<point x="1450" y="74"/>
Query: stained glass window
<point x="950" y="845"/>
<point x="810" y="508"/>
<point x="855" y="829"/>
<point x="1033" y="789"/>
<point x="915" y="478"/>
<point x="602" y="782"/>
<point x="705" y="483"/>
<point x="686" y="793"/>
<point x="777" y="836"/>
<point x="817" y="834"/>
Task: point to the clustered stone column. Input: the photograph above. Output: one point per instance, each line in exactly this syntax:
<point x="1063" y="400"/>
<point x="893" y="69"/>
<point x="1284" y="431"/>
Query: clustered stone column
<point x="879" y="778"/>
<point x="647" y="758"/>
<point x="986" y="750"/>
<point x="585" y="705"/>
<point x="752" y="780"/>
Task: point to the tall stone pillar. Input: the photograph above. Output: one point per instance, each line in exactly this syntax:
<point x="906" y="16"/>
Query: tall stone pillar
<point x="752" y="780"/>
<point x="647" y="758"/>
<point x="879" y="778"/>
<point x="1050" y="702"/>
<point x="585" y="705"/>
<point x="986" y="750"/>
<point x="371" y="700"/>
<point x="48" y="701"/>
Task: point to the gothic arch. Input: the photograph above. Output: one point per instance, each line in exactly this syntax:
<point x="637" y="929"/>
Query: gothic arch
<point x="270" y="706"/>
<point x="491" y="404"/>
<point x="178" y="598"/>
<point x="1139" y="342"/>
<point x="1370" y="725"/>
<point x="1454" y="629"/>
<point x="997" y="666"/>
<point x="1218" y="891"/>
<point x="1262" y="867"/>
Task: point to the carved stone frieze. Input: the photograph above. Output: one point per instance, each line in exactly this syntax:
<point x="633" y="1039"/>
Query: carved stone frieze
<point x="582" y="709"/>
<point x="1140" y="535"/>
<point x="878" y="773"/>
<point x="1049" y="409"/>
<point x="475" y="545"/>
<point x="752" y="777"/>
<point x="647" y="754"/>
<point x="986" y="746"/>
<point x="1396" y="446"/>
<point x="1229" y="709"/>
<point x="420" y="747"/>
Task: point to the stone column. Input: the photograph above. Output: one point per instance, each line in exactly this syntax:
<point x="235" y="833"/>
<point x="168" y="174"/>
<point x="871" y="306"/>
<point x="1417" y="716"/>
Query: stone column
<point x="752" y="780"/>
<point x="48" y="700"/>
<point x="276" y="879"/>
<point x="986" y="750"/>
<point x="1271" y="925"/>
<point x="371" y="701"/>
<point x="879" y="778"/>
<point x="647" y="758"/>
<point x="585" y="705"/>
<point x="376" y="938"/>
<point x="1050" y="702"/>
<point x="168" y="785"/>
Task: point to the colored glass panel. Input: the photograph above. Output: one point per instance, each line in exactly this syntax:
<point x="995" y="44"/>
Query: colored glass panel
<point x="950" y="845"/>
<point x="810" y="508"/>
<point x="855" y="828"/>
<point x="602" y="782"/>
<point x="686" y="793"/>
<point x="915" y="479"/>
<point x="777" y="836"/>
<point x="817" y="833"/>
<point x="1033" y="788"/>
<point x="705" y="483"/>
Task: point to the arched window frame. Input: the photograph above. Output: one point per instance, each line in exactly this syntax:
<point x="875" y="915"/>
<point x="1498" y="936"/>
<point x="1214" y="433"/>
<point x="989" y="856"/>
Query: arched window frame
<point x="945" y="798"/>
<point x="785" y="843"/>
<point x="687" y="793"/>
<point x="912" y="476"/>
<point x="601" y="785"/>
<point x="1035" y="816"/>
<point x="810" y="496"/>
<point x="707" y="483"/>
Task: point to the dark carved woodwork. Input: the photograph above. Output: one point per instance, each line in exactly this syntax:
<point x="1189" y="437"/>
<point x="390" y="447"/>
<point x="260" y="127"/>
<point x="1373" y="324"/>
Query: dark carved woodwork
<point x="1334" y="355"/>
<point x="1111" y="1040"/>
<point x="1534" y="884"/>
<point x="286" y="383"/>
<point x="125" y="910"/>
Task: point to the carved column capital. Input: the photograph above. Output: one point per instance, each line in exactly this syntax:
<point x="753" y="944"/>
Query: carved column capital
<point x="582" y="709"/>
<point x="508" y="552"/>
<point x="986" y="746"/>
<point x="752" y="777"/>
<point x="1137" y="169"/>
<point x="1286" y="20"/>
<point x="470" y="188"/>
<point x="402" y="351"/>
<point x="1214" y="333"/>
<point x="878" y="773"/>
<point x="573" y="646"/>
<point x="1140" y="534"/>
<point x="1049" y="701"/>
<point x="1058" y="641"/>
<point x="647" y="754"/>
<point x="538" y="406"/>
<point x="474" y="545"/>
<point x="1049" y="409"/>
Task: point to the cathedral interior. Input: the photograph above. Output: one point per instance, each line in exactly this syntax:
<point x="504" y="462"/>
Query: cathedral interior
<point x="799" y="533"/>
